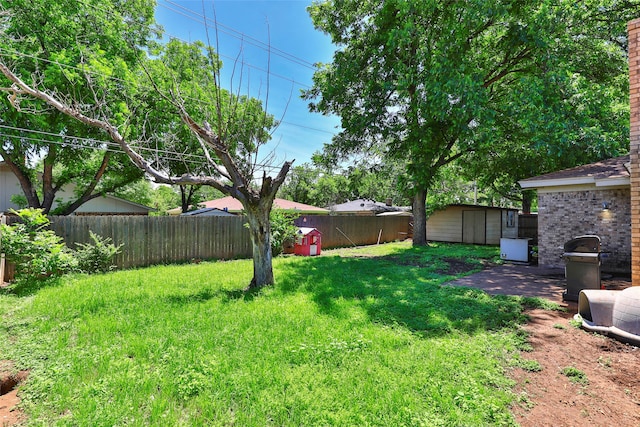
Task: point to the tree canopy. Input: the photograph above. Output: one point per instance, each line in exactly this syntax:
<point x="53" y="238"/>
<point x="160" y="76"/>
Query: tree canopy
<point x="161" y="108"/>
<point x="431" y="82"/>
<point x="58" y="41"/>
<point x="317" y="185"/>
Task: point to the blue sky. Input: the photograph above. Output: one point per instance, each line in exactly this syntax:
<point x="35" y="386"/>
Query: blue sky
<point x="246" y="30"/>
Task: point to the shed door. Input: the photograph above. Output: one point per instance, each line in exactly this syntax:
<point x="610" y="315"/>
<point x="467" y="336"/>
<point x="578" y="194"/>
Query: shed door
<point x="473" y="227"/>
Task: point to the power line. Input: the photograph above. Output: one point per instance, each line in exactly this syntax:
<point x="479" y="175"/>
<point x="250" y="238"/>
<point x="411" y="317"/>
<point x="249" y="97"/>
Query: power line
<point x="214" y="24"/>
<point x="8" y="52"/>
<point x="104" y="145"/>
<point x="200" y="18"/>
<point x="180" y="157"/>
<point x="208" y="23"/>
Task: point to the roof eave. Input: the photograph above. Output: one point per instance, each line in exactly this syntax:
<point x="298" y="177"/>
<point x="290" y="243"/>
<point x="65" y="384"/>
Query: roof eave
<point x="623" y="181"/>
<point x="567" y="182"/>
<point x="560" y="182"/>
<point x="129" y="202"/>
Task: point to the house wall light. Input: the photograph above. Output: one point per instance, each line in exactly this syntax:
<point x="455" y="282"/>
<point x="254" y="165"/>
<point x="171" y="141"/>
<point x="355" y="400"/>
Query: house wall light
<point x="606" y="206"/>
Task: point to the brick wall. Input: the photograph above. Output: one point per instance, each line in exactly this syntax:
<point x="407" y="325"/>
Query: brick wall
<point x="565" y="215"/>
<point x="634" y="142"/>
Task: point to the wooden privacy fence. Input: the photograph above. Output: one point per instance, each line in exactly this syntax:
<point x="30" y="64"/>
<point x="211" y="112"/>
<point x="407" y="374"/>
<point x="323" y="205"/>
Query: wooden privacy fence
<point x="3" y="220"/>
<point x="173" y="239"/>
<point x="338" y="231"/>
<point x="528" y="227"/>
<point x="160" y="240"/>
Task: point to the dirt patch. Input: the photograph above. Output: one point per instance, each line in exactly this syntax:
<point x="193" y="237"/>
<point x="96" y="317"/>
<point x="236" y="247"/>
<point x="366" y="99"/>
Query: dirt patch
<point x="548" y="398"/>
<point x="10" y="415"/>
<point x="457" y="266"/>
<point x="454" y="266"/>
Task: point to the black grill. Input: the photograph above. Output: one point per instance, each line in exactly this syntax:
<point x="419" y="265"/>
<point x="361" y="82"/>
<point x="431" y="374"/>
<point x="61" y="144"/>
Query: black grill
<point x="582" y="265"/>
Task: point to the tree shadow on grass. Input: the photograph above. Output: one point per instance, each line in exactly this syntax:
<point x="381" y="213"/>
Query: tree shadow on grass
<point x="207" y="294"/>
<point x="247" y="294"/>
<point x="24" y="288"/>
<point x="183" y="299"/>
<point x="393" y="293"/>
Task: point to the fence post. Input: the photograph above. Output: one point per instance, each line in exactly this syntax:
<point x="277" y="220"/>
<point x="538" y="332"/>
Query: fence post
<point x="3" y="221"/>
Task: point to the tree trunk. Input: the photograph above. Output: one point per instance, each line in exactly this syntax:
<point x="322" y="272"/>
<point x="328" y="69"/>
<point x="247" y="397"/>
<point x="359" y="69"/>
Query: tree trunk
<point x="420" y="218"/>
<point x="260" y="233"/>
<point x="186" y="195"/>
<point x="48" y="189"/>
<point x="87" y="194"/>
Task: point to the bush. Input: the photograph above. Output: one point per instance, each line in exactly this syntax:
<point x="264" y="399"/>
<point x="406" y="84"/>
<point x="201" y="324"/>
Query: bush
<point x="96" y="257"/>
<point x="282" y="229"/>
<point x="35" y="251"/>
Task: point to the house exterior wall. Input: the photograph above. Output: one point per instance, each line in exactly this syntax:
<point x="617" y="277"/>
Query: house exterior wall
<point x="9" y="185"/>
<point x="563" y="215"/>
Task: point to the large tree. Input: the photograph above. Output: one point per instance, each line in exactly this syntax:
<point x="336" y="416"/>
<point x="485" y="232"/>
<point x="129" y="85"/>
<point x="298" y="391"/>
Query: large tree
<point x="230" y="128"/>
<point x="588" y="118"/>
<point x="430" y="81"/>
<point x="325" y="186"/>
<point x="54" y="42"/>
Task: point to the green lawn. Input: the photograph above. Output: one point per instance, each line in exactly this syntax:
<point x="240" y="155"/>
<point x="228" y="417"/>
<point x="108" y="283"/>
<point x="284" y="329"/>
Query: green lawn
<point x="358" y="337"/>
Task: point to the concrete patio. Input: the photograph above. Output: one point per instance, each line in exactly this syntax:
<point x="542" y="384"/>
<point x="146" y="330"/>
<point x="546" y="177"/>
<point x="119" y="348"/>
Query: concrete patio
<point x="529" y="281"/>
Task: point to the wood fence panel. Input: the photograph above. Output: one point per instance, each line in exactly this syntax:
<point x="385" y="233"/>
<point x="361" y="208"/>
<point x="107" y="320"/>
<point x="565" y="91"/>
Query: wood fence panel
<point x="3" y="221"/>
<point x="528" y="227"/>
<point x="163" y="240"/>
<point x="338" y="231"/>
<point x="160" y="240"/>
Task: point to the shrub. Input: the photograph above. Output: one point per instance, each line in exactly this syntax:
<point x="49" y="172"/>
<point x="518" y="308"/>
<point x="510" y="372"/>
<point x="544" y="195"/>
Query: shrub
<point x="96" y="257"/>
<point x="35" y="251"/>
<point x="282" y="229"/>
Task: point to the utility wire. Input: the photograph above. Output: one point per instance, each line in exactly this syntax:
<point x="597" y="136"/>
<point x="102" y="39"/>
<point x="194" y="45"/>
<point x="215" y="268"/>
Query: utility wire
<point x="212" y="23"/>
<point x="216" y="25"/>
<point x="9" y="52"/>
<point x="200" y="18"/>
<point x="180" y="157"/>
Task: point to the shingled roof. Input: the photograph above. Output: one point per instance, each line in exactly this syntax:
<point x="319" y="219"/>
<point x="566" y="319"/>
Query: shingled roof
<point x="230" y="204"/>
<point x="605" y="173"/>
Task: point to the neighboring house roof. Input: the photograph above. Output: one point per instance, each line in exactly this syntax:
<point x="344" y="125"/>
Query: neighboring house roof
<point x="233" y="205"/>
<point x="365" y="206"/>
<point x="208" y="212"/>
<point x="108" y="204"/>
<point x="112" y="205"/>
<point x="396" y="213"/>
<point x="605" y="173"/>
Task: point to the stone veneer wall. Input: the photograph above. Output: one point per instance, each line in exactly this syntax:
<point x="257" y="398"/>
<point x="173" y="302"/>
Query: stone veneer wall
<point x="565" y="215"/>
<point x="633" y="29"/>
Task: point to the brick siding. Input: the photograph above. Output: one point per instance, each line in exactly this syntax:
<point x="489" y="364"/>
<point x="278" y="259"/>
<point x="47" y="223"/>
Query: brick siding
<point x="565" y="215"/>
<point x="634" y="145"/>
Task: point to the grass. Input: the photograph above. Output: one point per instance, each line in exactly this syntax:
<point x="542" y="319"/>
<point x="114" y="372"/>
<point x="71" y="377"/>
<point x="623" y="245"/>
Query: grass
<point x="575" y="375"/>
<point x="362" y="336"/>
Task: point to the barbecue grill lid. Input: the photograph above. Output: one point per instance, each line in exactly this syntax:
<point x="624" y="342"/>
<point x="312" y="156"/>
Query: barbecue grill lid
<point x="589" y="244"/>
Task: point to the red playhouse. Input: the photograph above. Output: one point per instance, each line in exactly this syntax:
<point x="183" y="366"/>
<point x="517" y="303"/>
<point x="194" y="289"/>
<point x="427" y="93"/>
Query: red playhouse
<point x="308" y="241"/>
